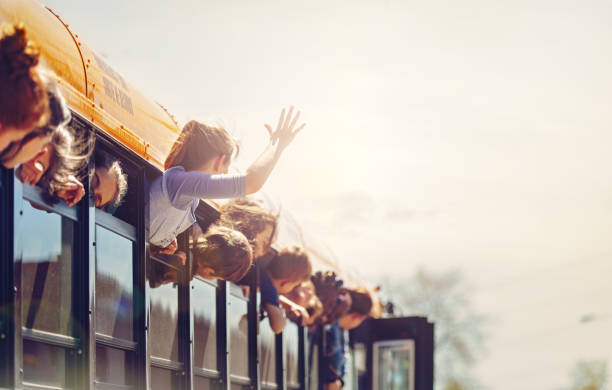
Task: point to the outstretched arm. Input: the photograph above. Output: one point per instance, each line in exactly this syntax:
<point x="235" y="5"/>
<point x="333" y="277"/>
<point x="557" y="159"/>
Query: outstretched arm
<point x="260" y="169"/>
<point x="294" y="311"/>
<point x="276" y="317"/>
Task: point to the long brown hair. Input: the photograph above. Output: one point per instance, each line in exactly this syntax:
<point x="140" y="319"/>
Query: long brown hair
<point x="23" y="99"/>
<point x="248" y="217"/>
<point x="70" y="147"/>
<point x="291" y="263"/>
<point x="226" y="251"/>
<point x="198" y="143"/>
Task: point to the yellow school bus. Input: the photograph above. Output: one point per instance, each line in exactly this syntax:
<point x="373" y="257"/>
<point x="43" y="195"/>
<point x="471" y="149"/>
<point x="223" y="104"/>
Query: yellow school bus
<point x="77" y="310"/>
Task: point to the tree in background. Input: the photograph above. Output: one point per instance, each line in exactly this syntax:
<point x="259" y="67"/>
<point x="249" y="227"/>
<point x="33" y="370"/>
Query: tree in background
<point x="590" y="375"/>
<point x="459" y="339"/>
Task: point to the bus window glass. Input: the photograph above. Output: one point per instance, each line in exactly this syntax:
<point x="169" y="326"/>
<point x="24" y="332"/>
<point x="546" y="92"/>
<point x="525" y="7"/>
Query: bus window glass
<point x="200" y="383"/>
<point x="114" y="285"/>
<point x="291" y="340"/>
<point x="164" y="321"/>
<point x="203" y="298"/>
<point x="239" y="336"/>
<point x="44" y="364"/>
<point x="267" y="350"/>
<point x="162" y="379"/>
<point x="46" y="273"/>
<point x="111" y="365"/>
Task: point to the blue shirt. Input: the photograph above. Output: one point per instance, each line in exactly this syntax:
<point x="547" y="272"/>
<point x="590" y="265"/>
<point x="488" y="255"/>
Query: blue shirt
<point x="266" y="288"/>
<point x="333" y="365"/>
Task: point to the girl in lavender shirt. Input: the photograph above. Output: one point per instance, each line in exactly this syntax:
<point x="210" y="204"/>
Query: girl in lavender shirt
<point x="197" y="167"/>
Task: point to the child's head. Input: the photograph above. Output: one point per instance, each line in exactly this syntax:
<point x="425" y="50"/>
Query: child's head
<point x="23" y="100"/>
<point x="109" y="183"/>
<point x="202" y="147"/>
<point x="361" y="306"/>
<point x="305" y="296"/>
<point x="257" y="224"/>
<point x="33" y="143"/>
<point x="222" y="253"/>
<point x="70" y="153"/>
<point x="290" y="267"/>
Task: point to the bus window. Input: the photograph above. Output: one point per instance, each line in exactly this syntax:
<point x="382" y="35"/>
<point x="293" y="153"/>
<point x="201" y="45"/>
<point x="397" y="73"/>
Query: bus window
<point x="46" y="277"/>
<point x="267" y="359"/>
<point x="114" y="285"/>
<point x="44" y="364"/>
<point x="46" y="293"/>
<point x="291" y="342"/>
<point x="114" y="292"/>
<point x="204" y="304"/>
<point x="164" y="322"/>
<point x="164" y="331"/>
<point x="115" y="251"/>
<point x="113" y="186"/>
<point x="239" y="340"/>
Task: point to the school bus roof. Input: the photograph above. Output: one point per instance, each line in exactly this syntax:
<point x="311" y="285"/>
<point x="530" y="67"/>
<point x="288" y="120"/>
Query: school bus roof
<point x="93" y="88"/>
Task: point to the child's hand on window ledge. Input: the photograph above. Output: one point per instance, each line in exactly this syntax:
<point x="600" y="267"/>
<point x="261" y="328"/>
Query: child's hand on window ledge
<point x="30" y="172"/>
<point x="170" y="249"/>
<point x="72" y="191"/>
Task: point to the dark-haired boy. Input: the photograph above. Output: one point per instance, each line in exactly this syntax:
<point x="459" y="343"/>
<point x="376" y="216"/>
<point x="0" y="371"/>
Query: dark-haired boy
<point x="334" y="359"/>
<point x="279" y="275"/>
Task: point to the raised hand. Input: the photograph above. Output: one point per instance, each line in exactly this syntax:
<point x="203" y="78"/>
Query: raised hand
<point x="286" y="129"/>
<point x="72" y="191"/>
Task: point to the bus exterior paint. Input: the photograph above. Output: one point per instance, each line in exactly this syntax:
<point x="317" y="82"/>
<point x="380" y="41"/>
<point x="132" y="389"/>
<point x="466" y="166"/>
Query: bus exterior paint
<point x="93" y="88"/>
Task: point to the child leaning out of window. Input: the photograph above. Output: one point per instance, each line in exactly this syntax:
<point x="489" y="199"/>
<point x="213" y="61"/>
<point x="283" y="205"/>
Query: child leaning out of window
<point x="279" y="275"/>
<point x="197" y="167"/>
<point x="220" y="253"/>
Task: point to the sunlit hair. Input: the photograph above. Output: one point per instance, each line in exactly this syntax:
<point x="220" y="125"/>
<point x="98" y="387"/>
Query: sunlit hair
<point x="70" y="150"/>
<point x="23" y="100"/>
<point x="248" y="217"/>
<point x="225" y="250"/>
<point x="361" y="301"/>
<point x="314" y="309"/>
<point x="114" y="168"/>
<point x="198" y="143"/>
<point x="313" y="306"/>
<point x="291" y="264"/>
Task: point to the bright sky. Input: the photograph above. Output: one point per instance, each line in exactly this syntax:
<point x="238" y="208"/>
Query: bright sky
<point x="471" y="135"/>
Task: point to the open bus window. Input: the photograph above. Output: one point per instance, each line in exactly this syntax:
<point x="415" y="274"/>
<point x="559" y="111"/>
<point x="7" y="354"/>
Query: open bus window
<point x="58" y="172"/>
<point x="110" y="184"/>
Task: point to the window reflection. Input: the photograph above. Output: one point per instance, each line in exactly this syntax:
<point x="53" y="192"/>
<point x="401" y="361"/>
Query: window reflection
<point x="162" y="379"/>
<point x="267" y="350"/>
<point x="291" y="343"/>
<point x="46" y="270"/>
<point x="114" y="285"/>
<point x="203" y="298"/>
<point x="44" y="364"/>
<point x="238" y="324"/>
<point x="111" y="365"/>
<point x="164" y="321"/>
<point x="200" y="383"/>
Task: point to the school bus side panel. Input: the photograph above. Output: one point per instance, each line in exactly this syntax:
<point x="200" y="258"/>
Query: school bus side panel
<point x="92" y="87"/>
